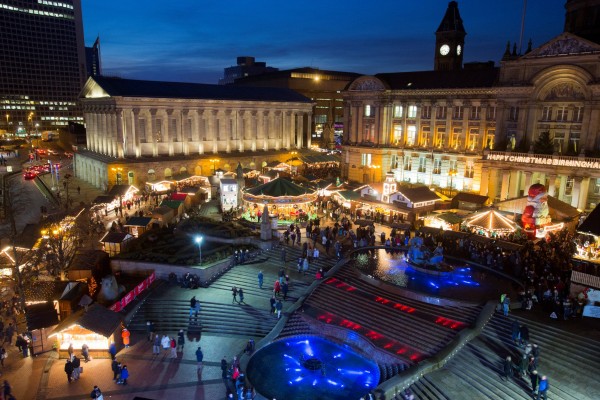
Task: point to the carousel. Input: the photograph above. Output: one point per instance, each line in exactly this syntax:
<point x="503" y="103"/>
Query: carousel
<point x="490" y="223"/>
<point x="285" y="200"/>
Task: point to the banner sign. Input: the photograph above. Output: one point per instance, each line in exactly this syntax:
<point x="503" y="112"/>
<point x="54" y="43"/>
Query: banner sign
<point x="538" y="160"/>
<point x="129" y="297"/>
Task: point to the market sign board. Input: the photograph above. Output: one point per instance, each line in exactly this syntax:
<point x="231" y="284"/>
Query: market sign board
<point x="539" y="160"/>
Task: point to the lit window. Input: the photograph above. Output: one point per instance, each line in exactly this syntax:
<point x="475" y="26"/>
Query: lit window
<point x="412" y="111"/>
<point x="368" y="110"/>
<point x="398" y="111"/>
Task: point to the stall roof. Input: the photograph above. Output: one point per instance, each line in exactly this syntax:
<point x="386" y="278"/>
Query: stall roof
<point x="179" y="196"/>
<point x="97" y="319"/>
<point x="119" y="190"/>
<point x="115" y="237"/>
<point x="138" y="221"/>
<point x="45" y="290"/>
<point x="41" y="315"/>
<point x="228" y="181"/>
<point x="591" y="224"/>
<point x="103" y="199"/>
<point x="349" y="195"/>
<point x="277" y="188"/>
<point x="468" y="198"/>
<point x="418" y="194"/>
<point x="319" y="158"/>
<point x="174" y="204"/>
<point x="162" y="210"/>
<point x="87" y="260"/>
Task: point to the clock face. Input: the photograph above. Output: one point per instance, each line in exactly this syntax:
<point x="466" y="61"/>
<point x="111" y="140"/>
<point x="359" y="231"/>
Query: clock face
<point x="458" y="50"/>
<point x="445" y="49"/>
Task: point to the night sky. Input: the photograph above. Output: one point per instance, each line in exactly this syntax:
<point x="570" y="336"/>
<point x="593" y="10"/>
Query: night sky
<point x="193" y="40"/>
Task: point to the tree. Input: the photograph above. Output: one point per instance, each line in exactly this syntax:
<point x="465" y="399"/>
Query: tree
<point x="544" y="144"/>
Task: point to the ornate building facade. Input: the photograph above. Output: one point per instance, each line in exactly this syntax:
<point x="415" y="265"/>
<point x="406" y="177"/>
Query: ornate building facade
<point x="140" y="131"/>
<point x="475" y="129"/>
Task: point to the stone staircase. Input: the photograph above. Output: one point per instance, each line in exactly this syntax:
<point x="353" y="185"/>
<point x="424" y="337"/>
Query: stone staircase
<point x="570" y="362"/>
<point x="169" y="308"/>
<point x="411" y="330"/>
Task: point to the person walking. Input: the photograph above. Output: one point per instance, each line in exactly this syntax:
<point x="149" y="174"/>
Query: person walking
<point x="173" y="346"/>
<point x="516" y="328"/>
<point x="156" y="345"/>
<point x="276" y="288"/>
<point x="2" y="355"/>
<point x="224" y="368"/>
<point x="96" y="393"/>
<point x="241" y="294"/>
<point x="543" y="388"/>
<point x="165" y="343"/>
<point x="305" y="266"/>
<point x="260" y="279"/>
<point x="68" y="370"/>
<point x="284" y="289"/>
<point x="193" y="302"/>
<point x="199" y="357"/>
<point x="150" y="330"/>
<point x="279" y="307"/>
<point x="115" y="367"/>
<point x="124" y="375"/>
<point x="234" y="293"/>
<point x="524" y="335"/>
<point x="76" y="362"/>
<point x="534" y="378"/>
<point x="523" y="365"/>
<point x="85" y="352"/>
<point x="272" y="301"/>
<point x="505" y="304"/>
<point x="508" y="368"/>
<point x="180" y="341"/>
<point x="125" y="334"/>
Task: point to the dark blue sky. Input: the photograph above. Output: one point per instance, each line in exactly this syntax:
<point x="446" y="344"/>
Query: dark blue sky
<point x="193" y="40"/>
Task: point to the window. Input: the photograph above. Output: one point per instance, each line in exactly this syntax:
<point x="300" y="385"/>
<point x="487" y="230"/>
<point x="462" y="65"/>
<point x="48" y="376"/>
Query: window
<point x="367" y="133"/>
<point x="513" y="114"/>
<point x="437" y="166"/>
<point x="597" y="186"/>
<point x="440" y="112"/>
<point x="574" y="142"/>
<point x="452" y="168"/>
<point x="547" y="113"/>
<point x="394" y="161"/>
<point x="411" y="134"/>
<point x="425" y="136"/>
<point x="458" y="112"/>
<point x="469" y="169"/>
<point x="455" y="141"/>
<point x="489" y="143"/>
<point x="562" y="114"/>
<point x="398" y="111"/>
<point x="407" y="163"/>
<point x="440" y="139"/>
<point x="569" y="186"/>
<point x="426" y="112"/>
<point x="320" y="119"/>
<point x="412" y="111"/>
<point x="559" y="142"/>
<point x="365" y="159"/>
<point x="578" y="114"/>
<point x="475" y="112"/>
<point x="397" y="134"/>
<point x="491" y="113"/>
<point x="422" y="164"/>
<point x="473" y="138"/>
<point x="368" y="111"/>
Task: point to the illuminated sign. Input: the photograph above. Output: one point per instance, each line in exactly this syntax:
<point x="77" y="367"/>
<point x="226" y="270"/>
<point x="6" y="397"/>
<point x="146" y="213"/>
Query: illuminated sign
<point x="537" y="160"/>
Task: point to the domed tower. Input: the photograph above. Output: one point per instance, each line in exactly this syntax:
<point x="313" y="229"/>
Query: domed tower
<point x="582" y="18"/>
<point x="450" y="41"/>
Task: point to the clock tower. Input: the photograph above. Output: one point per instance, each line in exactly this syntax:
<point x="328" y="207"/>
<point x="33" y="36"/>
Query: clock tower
<point x="450" y="41"/>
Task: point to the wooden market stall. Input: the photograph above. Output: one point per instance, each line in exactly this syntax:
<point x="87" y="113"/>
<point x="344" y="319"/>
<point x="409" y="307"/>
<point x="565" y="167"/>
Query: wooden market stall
<point x="115" y="242"/>
<point x="97" y="327"/>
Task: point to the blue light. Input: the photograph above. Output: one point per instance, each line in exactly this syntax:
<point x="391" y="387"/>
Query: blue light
<point x="332" y="382"/>
<point x="298" y="379"/>
<point x="314" y="383"/>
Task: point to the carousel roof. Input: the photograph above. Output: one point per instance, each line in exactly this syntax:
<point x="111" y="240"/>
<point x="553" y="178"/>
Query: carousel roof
<point x="490" y="220"/>
<point x="279" y="187"/>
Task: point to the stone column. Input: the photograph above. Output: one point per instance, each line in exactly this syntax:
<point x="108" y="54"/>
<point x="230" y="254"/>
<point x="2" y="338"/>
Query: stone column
<point x="135" y="132"/>
<point x="360" y="126"/>
<point x="515" y="184"/>
<point x="576" y="191"/>
<point x="485" y="182"/>
<point x="171" y="137"/>
<point x="528" y="176"/>
<point x="253" y="129"/>
<point x="152" y="136"/>
<point x="213" y="130"/>
<point x="583" y="193"/>
<point x="263" y="128"/>
<point x="184" y="117"/>
<point x="493" y="184"/>
<point x="562" y="187"/>
<point x="272" y="131"/>
<point x="504" y="190"/>
<point x="121" y="135"/>
<point x="552" y="185"/>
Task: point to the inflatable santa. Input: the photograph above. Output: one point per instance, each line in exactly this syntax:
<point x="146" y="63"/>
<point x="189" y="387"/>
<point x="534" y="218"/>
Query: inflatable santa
<point x="536" y="213"/>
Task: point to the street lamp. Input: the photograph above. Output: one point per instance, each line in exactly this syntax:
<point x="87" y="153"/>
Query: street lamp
<point x="451" y="173"/>
<point x="214" y="161"/>
<point x="198" y="240"/>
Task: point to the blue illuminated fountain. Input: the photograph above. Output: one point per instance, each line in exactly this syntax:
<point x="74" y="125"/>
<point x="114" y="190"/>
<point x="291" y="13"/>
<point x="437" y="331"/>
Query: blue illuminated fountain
<point x="310" y="367"/>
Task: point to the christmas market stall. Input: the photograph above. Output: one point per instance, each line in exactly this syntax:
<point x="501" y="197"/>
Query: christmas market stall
<point x="490" y="223"/>
<point x="588" y="238"/>
<point x="96" y="326"/>
<point x="285" y="199"/>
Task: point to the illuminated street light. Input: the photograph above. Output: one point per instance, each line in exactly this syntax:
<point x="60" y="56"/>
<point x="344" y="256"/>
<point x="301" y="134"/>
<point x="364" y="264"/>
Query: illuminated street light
<point x="214" y="161"/>
<point x="198" y="240"/>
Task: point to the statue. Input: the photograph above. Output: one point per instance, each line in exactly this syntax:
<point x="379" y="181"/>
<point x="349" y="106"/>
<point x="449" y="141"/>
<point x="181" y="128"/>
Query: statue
<point x="110" y="290"/>
<point x="266" y="231"/>
<point x="536" y="213"/>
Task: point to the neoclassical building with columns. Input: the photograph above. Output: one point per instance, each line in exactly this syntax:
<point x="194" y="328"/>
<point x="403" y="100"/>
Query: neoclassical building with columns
<point x="474" y="128"/>
<point x="139" y="131"/>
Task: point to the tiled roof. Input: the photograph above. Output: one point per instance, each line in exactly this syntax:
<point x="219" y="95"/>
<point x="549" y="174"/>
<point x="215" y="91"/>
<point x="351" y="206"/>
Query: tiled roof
<point x="418" y="194"/>
<point x="97" y="319"/>
<point x="181" y="90"/>
<point x="138" y="221"/>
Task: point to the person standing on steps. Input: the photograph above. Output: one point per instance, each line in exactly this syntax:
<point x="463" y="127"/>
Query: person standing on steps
<point x="260" y="279"/>
<point x="508" y="369"/>
<point x="241" y="294"/>
<point x="173" y="347"/>
<point x="516" y="328"/>
<point x="149" y="329"/>
<point x="96" y="394"/>
<point x="543" y="388"/>
<point x="272" y="301"/>
<point x="524" y="335"/>
<point x="279" y="307"/>
<point x="534" y="378"/>
<point x="180" y="340"/>
<point x="115" y="369"/>
<point x="156" y="345"/>
<point x="234" y="293"/>
<point x="193" y="302"/>
<point x="284" y="290"/>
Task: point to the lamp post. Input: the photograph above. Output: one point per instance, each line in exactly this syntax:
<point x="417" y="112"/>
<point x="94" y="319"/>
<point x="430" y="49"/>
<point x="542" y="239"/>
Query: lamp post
<point x="451" y="173"/>
<point x="214" y="161"/>
<point x="198" y="240"/>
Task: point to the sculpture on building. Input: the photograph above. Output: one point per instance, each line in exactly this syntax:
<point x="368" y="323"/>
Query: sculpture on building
<point x="110" y="290"/>
<point x="536" y="213"/>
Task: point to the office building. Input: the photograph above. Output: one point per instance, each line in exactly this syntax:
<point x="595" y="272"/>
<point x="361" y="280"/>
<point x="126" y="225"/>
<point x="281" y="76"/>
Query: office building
<point x="43" y="64"/>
